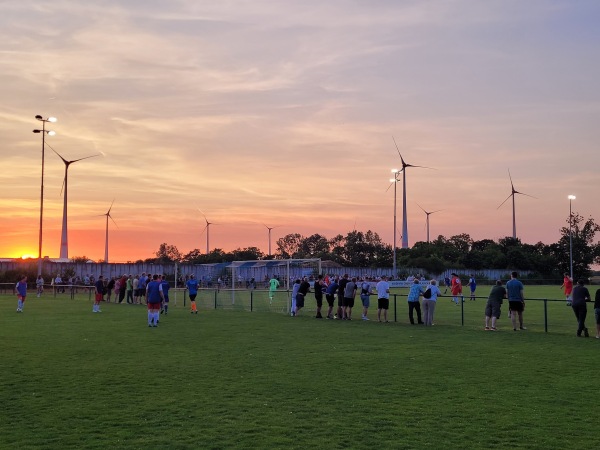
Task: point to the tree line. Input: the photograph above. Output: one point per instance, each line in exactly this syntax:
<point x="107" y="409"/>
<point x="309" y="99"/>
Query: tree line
<point x="366" y="249"/>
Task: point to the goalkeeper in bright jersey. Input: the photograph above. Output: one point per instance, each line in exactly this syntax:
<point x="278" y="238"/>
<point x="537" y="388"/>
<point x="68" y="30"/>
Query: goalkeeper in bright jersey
<point x="273" y="285"/>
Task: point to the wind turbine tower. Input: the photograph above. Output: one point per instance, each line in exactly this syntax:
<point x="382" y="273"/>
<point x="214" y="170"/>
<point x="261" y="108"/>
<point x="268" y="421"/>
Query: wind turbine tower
<point x="107" y="214"/>
<point x="64" y="241"/>
<point x="428" y="213"/>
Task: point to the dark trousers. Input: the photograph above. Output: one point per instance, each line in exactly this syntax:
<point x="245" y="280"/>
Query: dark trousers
<point x="417" y="307"/>
<point x="129" y="296"/>
<point x="121" y="294"/>
<point x="580" y="311"/>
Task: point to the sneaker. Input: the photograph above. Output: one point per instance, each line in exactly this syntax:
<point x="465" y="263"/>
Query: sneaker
<point x="19" y="310"/>
<point x="365" y="318"/>
<point x="335" y="316"/>
<point x="195" y="312"/>
<point x="150" y="325"/>
<point x="597" y="337"/>
<point x="568" y="303"/>
<point x="493" y="329"/>
<point x="523" y="328"/>
<point x="487" y="328"/>
<point x="514" y="329"/>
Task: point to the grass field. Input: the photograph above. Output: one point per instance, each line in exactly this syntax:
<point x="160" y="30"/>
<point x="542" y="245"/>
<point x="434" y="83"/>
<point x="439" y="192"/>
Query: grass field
<point x="228" y="378"/>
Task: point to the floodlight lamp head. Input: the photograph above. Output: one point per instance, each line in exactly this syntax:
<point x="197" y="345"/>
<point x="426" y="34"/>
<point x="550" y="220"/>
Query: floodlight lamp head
<point x="37" y="131"/>
<point x="572" y="197"/>
<point x="392" y="180"/>
<point x="395" y="171"/>
<point x="38" y="117"/>
<point x="52" y="119"/>
<point x="51" y="132"/>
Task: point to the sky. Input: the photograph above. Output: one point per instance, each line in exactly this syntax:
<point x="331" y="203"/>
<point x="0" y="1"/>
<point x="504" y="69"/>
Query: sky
<point x="282" y="113"/>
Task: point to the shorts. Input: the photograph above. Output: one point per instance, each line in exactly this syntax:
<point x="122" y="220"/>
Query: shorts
<point x="319" y="301"/>
<point x="138" y="292"/>
<point x="299" y="301"/>
<point x="365" y="301"/>
<point x="515" y="306"/>
<point x="21" y="297"/>
<point x="492" y="309"/>
<point x="166" y="300"/>
<point x="348" y="302"/>
<point x="330" y="299"/>
<point x="383" y="303"/>
<point x="473" y="290"/>
<point x="193" y="297"/>
<point x="154" y="305"/>
<point x="597" y="313"/>
<point x="98" y="297"/>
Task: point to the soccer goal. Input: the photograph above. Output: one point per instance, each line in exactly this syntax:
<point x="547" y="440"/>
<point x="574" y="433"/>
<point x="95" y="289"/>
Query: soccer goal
<point x="256" y="276"/>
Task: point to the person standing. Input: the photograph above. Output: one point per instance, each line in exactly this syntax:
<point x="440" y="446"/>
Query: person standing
<point x="39" y="284"/>
<point x="349" y="296"/>
<point x="472" y="286"/>
<point x="295" y="289"/>
<point x="456" y="288"/>
<point x="192" y="286"/>
<point x="142" y="286"/>
<point x="493" y="305"/>
<point x="302" y="291"/>
<point x="383" y="298"/>
<point x="21" y="288"/>
<point x="341" y="290"/>
<point x="581" y="295"/>
<point x="365" y="297"/>
<point x="129" y="289"/>
<point x="154" y="298"/>
<point x="413" y="302"/>
<point x="447" y="283"/>
<point x="165" y="288"/>
<point x="273" y="285"/>
<point x="597" y="312"/>
<point x="98" y="294"/>
<point x="516" y="300"/>
<point x="109" y="289"/>
<point x="319" y="295"/>
<point x="330" y="296"/>
<point x="430" y="301"/>
<point x="568" y="287"/>
<point x="122" y="289"/>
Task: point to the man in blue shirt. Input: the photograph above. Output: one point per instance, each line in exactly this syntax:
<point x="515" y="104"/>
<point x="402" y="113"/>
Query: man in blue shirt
<point x="413" y="302"/>
<point x="21" y="288"/>
<point x="516" y="300"/>
<point x="192" y="286"/>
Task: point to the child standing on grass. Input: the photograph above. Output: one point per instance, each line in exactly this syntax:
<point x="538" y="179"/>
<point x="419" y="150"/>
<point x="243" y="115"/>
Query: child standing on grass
<point x="21" y="288"/>
<point x="597" y="313"/>
<point x="39" y="284"/>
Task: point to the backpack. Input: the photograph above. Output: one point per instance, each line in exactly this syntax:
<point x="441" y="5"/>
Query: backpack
<point x="427" y="293"/>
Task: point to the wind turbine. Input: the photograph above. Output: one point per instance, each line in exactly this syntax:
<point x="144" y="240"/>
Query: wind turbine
<point x="428" y="213"/>
<point x="207" y="228"/>
<point x="513" y="191"/>
<point x="107" y="214"/>
<point x="64" y="242"/>
<point x="269" y="228"/>
<point x="404" y="217"/>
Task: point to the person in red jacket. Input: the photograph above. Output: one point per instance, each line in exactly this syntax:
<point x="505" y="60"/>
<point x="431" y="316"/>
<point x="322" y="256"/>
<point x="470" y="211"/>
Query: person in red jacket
<point x="456" y="288"/>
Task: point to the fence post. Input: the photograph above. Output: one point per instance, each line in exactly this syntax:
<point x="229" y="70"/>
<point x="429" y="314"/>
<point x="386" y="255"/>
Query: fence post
<point x="546" y="315"/>
<point x="251" y="301"/>
<point x="395" y="317"/>
<point x="184" y="297"/>
<point x="462" y="310"/>
<point x="216" y="298"/>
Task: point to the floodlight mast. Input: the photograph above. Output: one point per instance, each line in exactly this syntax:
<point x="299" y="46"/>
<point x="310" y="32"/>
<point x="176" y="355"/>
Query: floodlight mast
<point x="43" y="131"/>
<point x="571" y="198"/>
<point x="396" y="174"/>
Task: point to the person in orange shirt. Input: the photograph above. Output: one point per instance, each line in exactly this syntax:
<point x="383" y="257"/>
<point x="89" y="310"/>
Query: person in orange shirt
<point x="568" y="287"/>
<point x="456" y="288"/>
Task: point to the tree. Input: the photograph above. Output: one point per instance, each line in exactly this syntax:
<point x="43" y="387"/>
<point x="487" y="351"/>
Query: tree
<point x="288" y="246"/>
<point x="167" y="253"/>
<point x="585" y="251"/>
<point x="247" y="254"/>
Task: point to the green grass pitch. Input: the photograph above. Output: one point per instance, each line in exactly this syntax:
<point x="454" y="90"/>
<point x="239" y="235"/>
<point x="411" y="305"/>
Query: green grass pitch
<point x="230" y="378"/>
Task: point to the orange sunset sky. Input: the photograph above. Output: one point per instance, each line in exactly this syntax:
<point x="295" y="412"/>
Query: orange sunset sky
<point x="282" y="113"/>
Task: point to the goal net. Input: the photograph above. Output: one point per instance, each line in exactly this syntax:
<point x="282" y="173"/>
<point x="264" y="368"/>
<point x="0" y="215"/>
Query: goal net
<point x="248" y="283"/>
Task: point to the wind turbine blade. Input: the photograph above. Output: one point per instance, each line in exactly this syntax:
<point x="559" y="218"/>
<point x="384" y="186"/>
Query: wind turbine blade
<point x="111" y="205"/>
<point x="113" y="221"/>
<point x="62" y="187"/>
<point x="511" y="181"/>
<point x="85" y="157"/>
<point x="422" y="209"/>
<point x="511" y="194"/>
<point x="437" y="210"/>
<point x="421" y="167"/>
<point x="390" y="186"/>
<point x="527" y="195"/>
<point x="59" y="155"/>
<point x="399" y="154"/>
